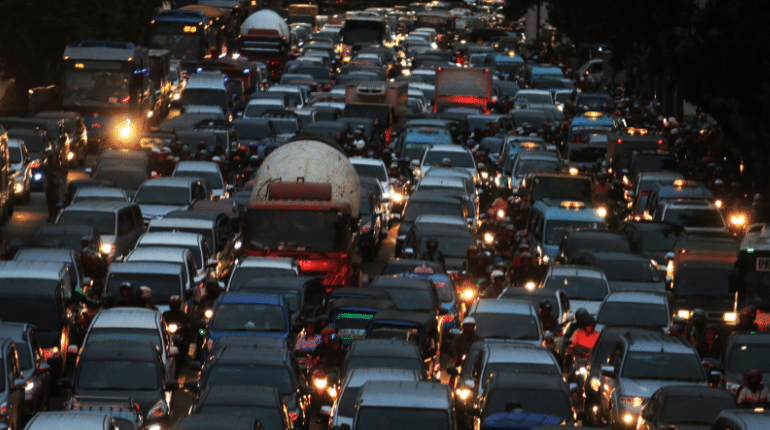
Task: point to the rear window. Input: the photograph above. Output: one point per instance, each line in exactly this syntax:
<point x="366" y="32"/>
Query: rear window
<point x="371" y="171"/>
<point x="103" y="222"/>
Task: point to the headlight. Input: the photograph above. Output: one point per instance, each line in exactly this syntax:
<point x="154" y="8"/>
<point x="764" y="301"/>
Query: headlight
<point x="573" y="171"/>
<point x="18" y="188"/>
<point x="684" y="314"/>
<point x="463" y="393"/>
<point x="738" y="220"/>
<point x="469" y="294"/>
<point x="30" y="385"/>
<point x="489" y="238"/>
<point x="500" y="213"/>
<point x="172" y="328"/>
<point x="628" y="418"/>
<point x="530" y="286"/>
<point x="70" y="156"/>
<point x="484" y="175"/>
<point x="602" y="212"/>
<point x="398" y="197"/>
<point x="237" y="245"/>
<point x="729" y="317"/>
<point x="38" y="177"/>
<point x="177" y="96"/>
<point x="670" y="269"/>
<point x="406" y="72"/>
<point x="332" y="391"/>
<point x="209" y="313"/>
<point x="595" y="384"/>
<point x="718" y="204"/>
<point x="320" y="383"/>
<point x="107" y="248"/>
<point x="634" y="402"/>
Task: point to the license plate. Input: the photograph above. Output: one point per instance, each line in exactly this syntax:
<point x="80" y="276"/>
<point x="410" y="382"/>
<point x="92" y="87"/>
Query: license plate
<point x="763" y="264"/>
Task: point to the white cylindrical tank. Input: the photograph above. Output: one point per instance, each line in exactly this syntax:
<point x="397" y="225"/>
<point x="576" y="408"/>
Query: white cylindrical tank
<point x="265" y="19"/>
<point x="316" y="162"/>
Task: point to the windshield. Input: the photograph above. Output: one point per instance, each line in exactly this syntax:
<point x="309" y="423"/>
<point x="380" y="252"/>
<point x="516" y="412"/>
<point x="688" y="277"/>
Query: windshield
<point x="662" y="365"/>
<point x="278" y="377"/>
<point x="373" y="418"/>
<point x="163" y="286"/>
<point x="14" y="154"/>
<point x="412" y="151"/>
<point x="125" y="179"/>
<point x="319" y="230"/>
<point x="118" y="375"/>
<point x="561" y="187"/>
<point x="290" y="297"/>
<point x="243" y="275"/>
<point x="248" y="317"/>
<point x="656" y="240"/>
<point x="656" y="164"/>
<point x="208" y="234"/>
<point x="347" y="403"/>
<point x="38" y="311"/>
<point x="458" y="159"/>
<point x="269" y="417"/>
<point x="416" y="208"/>
<point x="481" y="122"/>
<point x="25" y="357"/>
<point x="158" y="195"/>
<point x="204" y="97"/>
<point x="411" y="335"/>
<point x="94" y="88"/>
<point x="526" y="166"/>
<point x="125" y="334"/>
<point x="630" y="271"/>
<point x="632" y="314"/>
<point x="184" y="47"/>
<point x="103" y="222"/>
<point x="695" y="218"/>
<point x="451" y="246"/>
<point x="371" y="171"/>
<point x="412" y="299"/>
<point x="493" y="368"/>
<point x="195" y="250"/>
<point x="579" y="288"/>
<point x="285" y="126"/>
<point x="554" y="230"/>
<point x="699" y="280"/>
<point x="507" y="326"/>
<point x="214" y="178"/>
<point x="751" y="356"/>
<point x="695" y="409"/>
<point x="366" y="362"/>
<point x="533" y="401"/>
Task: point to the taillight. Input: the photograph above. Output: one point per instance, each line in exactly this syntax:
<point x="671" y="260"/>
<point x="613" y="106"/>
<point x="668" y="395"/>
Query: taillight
<point x="387" y="135"/>
<point x="158" y="410"/>
<point x="293" y="416"/>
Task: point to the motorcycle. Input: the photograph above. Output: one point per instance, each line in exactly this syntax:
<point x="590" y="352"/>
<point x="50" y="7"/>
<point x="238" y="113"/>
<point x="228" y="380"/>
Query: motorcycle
<point x="580" y="356"/>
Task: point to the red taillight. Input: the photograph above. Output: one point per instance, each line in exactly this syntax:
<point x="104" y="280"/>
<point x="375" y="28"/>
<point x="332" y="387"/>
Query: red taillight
<point x="387" y="135"/>
<point x="35" y="164"/>
<point x="126" y="99"/>
<point x="620" y="140"/>
<point x="293" y="416"/>
<point x="660" y="142"/>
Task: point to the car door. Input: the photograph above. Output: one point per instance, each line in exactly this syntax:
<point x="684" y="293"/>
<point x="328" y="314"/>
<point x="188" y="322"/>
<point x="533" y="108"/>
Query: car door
<point x="169" y="361"/>
<point x="609" y="384"/>
<point x="15" y="396"/>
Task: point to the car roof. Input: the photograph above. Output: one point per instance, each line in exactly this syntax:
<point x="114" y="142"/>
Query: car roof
<point x="158" y="253"/>
<point x="441" y="219"/>
<point x="245" y="355"/>
<point x="657" y="341"/>
<point x="45" y="254"/>
<point x="182" y="223"/>
<point x="14" y="330"/>
<point x="146" y="267"/>
<point x="247" y="297"/>
<point x="411" y="394"/>
<point x="383" y="348"/>
<point x="119" y="350"/>
<point x="614" y="256"/>
<point x="504" y="306"/>
<point x="453" y="181"/>
<point x="170" y="181"/>
<point x="271" y="262"/>
<point x="442" y="230"/>
<point x="751" y="419"/>
<point x="553" y="211"/>
<point x="394" y="281"/>
<point x="530" y="381"/>
<point x="67" y="420"/>
<point x="366" y="161"/>
<point x="197" y="166"/>
<point x="100" y="192"/>
<point x="240" y="395"/>
<point x="282" y="282"/>
<point x="636" y="297"/>
<point x="170" y="237"/>
<point x="578" y="271"/>
<point x="31" y="269"/>
<point x="696" y="391"/>
<point x="98" y="206"/>
<point x="127" y="317"/>
<point x="358" y="376"/>
<point x="512" y="352"/>
<point x="448" y="148"/>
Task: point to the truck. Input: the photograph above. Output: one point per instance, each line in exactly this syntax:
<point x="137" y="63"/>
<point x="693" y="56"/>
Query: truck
<point x="462" y="88"/>
<point x="302" y="13"/>
<point x="383" y="101"/>
<point x="305" y="205"/>
<point x="265" y="37"/>
<point x="160" y="76"/>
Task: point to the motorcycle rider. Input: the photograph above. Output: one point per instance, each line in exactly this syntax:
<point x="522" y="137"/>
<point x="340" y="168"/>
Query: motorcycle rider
<point x="324" y="346"/>
<point x="522" y="265"/>
<point x="144" y="298"/>
<point x="753" y="394"/>
<point x="699" y="318"/>
<point x="306" y="344"/>
<point x="432" y="253"/>
<point x="547" y="320"/>
<point x="710" y="346"/>
<point x="331" y="355"/>
<point x="125" y="296"/>
<point x="461" y="345"/>
<point x="746" y="321"/>
<point x="579" y="322"/>
<point x="585" y="337"/>
<point x="359" y="141"/>
<point x="175" y="315"/>
<point x="498" y="284"/>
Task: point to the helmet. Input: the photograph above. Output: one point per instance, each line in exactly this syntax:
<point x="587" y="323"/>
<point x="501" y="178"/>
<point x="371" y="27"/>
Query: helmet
<point x="334" y="338"/>
<point x="674" y="330"/>
<point x="185" y="149"/>
<point x="469" y="321"/>
<point x="254" y="160"/>
<point x="746" y="313"/>
<point x="545" y="304"/>
<point x="491" y="214"/>
<point x="145" y="292"/>
<point x="175" y="302"/>
<point x="496" y="274"/>
<point x="582" y="313"/>
<point x="431" y="243"/>
<point x="699" y="314"/>
<point x="590" y="321"/>
<point x="359" y="129"/>
<point x="217" y="159"/>
<point x="446" y="162"/>
<point x="679" y="321"/>
<point x="719" y="182"/>
<point x="125" y="286"/>
<point x="758" y="196"/>
<point x="201" y="145"/>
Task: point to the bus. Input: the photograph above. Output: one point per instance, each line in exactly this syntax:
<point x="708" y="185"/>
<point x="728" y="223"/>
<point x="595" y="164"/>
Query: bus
<point x="185" y="33"/>
<point x="751" y="277"/>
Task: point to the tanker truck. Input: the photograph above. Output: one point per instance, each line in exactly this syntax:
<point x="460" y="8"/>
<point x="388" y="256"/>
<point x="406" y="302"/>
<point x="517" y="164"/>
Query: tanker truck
<point x="304" y="205"/>
<point x="265" y="37"/>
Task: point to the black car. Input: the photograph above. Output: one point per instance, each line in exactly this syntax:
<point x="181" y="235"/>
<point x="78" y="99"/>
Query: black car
<point x="691" y="406"/>
<point x="34" y="368"/>
<point x="125" y="369"/>
<point x="265" y="404"/>
<point x="410" y="294"/>
<point x="579" y="240"/>
<point x="453" y="242"/>
<point x="704" y="284"/>
<point x="651" y="239"/>
<point x="624" y="270"/>
<point x="12" y="387"/>
<point x="428" y="203"/>
<point x="391" y="354"/>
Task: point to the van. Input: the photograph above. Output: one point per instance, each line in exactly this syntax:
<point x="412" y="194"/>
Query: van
<point x="673" y="190"/>
<point x="39" y="293"/>
<point x="118" y="223"/>
<point x="417" y="405"/>
<point x="207" y="88"/>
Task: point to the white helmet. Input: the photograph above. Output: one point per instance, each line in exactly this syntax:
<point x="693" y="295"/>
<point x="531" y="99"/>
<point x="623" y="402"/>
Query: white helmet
<point x="496" y="273"/>
<point x="469" y="321"/>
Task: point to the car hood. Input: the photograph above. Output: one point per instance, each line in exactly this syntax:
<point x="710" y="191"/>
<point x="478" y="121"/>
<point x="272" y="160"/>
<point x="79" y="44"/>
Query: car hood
<point x="626" y="285"/>
<point x="158" y="211"/>
<point x="646" y="387"/>
<point x="145" y="399"/>
<point x="592" y="306"/>
<point x="216" y="334"/>
<point x="454" y="263"/>
<point x="708" y="304"/>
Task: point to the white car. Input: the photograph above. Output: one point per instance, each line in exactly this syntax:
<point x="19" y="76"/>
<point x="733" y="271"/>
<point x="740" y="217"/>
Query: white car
<point x="195" y="242"/>
<point x="253" y="267"/>
<point x="459" y="156"/>
<point x="207" y="170"/>
<point x="21" y="170"/>
<point x="586" y="287"/>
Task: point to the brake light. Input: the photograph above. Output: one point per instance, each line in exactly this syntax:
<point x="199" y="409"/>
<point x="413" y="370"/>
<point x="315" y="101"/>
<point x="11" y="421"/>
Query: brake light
<point x="293" y="416"/>
<point x="620" y="140"/>
<point x="387" y="135"/>
<point x="3" y="410"/>
<point x="35" y="164"/>
<point x="126" y="99"/>
<point x="51" y="353"/>
<point x="158" y="410"/>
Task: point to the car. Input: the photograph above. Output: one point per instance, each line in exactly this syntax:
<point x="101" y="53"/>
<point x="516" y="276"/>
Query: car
<point x="125" y="412"/>
<point x="207" y="170"/>
<point x="574" y="241"/>
<point x="165" y="279"/>
<point x="75" y="420"/>
<point x="418" y="405"/>
<point x="453" y="243"/>
<point x="205" y="228"/>
<point x="639" y="364"/>
<point x="265" y="404"/>
<point x="126" y="367"/>
<point x="744" y="351"/>
<point x="536" y="393"/>
<point x="85" y="194"/>
<point x="651" y="239"/>
<point x="34" y="368"/>
<point x="641" y="185"/>
<point x="410" y="294"/>
<point x="637" y="308"/>
<point x="459" y="157"/>
<point x="653" y="161"/>
<point x="703" y="282"/>
<point x="172" y="255"/>
<point x="742" y="420"/>
<point x="585" y="287"/>
<point x="12" y="386"/>
<point x="303" y="295"/>
<point x="691" y="406"/>
<point x="560" y="304"/>
<point x="678" y="189"/>
<point x="254" y="267"/>
<point x="370" y="225"/>
<point x="119" y="224"/>
<point x="126" y="175"/>
<point x="133" y="324"/>
<point x="220" y="421"/>
<point x="624" y="270"/>
<point x="429" y="203"/>
<point x="530" y="161"/>
<point x="193" y="242"/>
<point x="21" y="170"/>
<point x="223" y="228"/>
<point x="344" y="409"/>
<point x="78" y="280"/>
<point x="240" y="366"/>
<point x="379" y="353"/>
<point x="247" y="314"/>
<point x="506" y="319"/>
<point x="159" y="196"/>
<point x="376" y="169"/>
<point x="692" y="215"/>
<point x="72" y="236"/>
<point x="440" y="183"/>
<point x="549" y="218"/>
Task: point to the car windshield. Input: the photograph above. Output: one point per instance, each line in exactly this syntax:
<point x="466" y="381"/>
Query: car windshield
<point x="662" y="240"/>
<point x="194" y="249"/>
<point x="102" y="222"/>
<point x="125" y="334"/>
<point x="163" y="286"/>
<point x="364" y="207"/>
<point x="481" y="122"/>
<point x="41" y="312"/>
<point x="258" y="375"/>
<point x="214" y="178"/>
<point x="321" y="230"/>
<point x="270" y="418"/>
<point x="707" y="281"/>
<point x="451" y="246"/>
<point x="25" y="357"/>
<point x="554" y="230"/>
<point x="248" y="131"/>
<point x="417" y="208"/>
<point x="662" y="365"/>
<point x="346" y="407"/>
<point x="366" y="362"/>
<point x="248" y="317"/>
<point x="493" y="368"/>
<point x="411" y="335"/>
<point x="374" y="418"/>
<point x="526" y="166"/>
<point x="290" y="296"/>
<point x="124" y="179"/>
<point x="159" y="195"/>
<point x="371" y="171"/>
<point x="695" y="409"/>
<point x="117" y="375"/>
<point x="630" y="271"/>
<point x="207" y="233"/>
<point x="709" y="218"/>
<point x="507" y="326"/>
<point x="578" y="287"/>
<point x="14" y="154"/>
<point x="412" y="299"/>
<point x="458" y="159"/>
<point x="547" y="402"/>
<point x="633" y="314"/>
<point x="656" y="164"/>
<point x="560" y="187"/>
<point x="750" y="356"/>
<point x="243" y="275"/>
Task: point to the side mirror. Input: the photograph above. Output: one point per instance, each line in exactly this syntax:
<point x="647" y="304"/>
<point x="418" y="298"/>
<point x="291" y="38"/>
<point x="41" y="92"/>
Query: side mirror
<point x="408" y="253"/>
<point x="573" y="387"/>
<point x="608" y="371"/>
<point x="230" y="188"/>
<point x="73" y="349"/>
<point x="171" y="385"/>
<point x="44" y="368"/>
<point x="89" y="171"/>
<point x="548" y="335"/>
